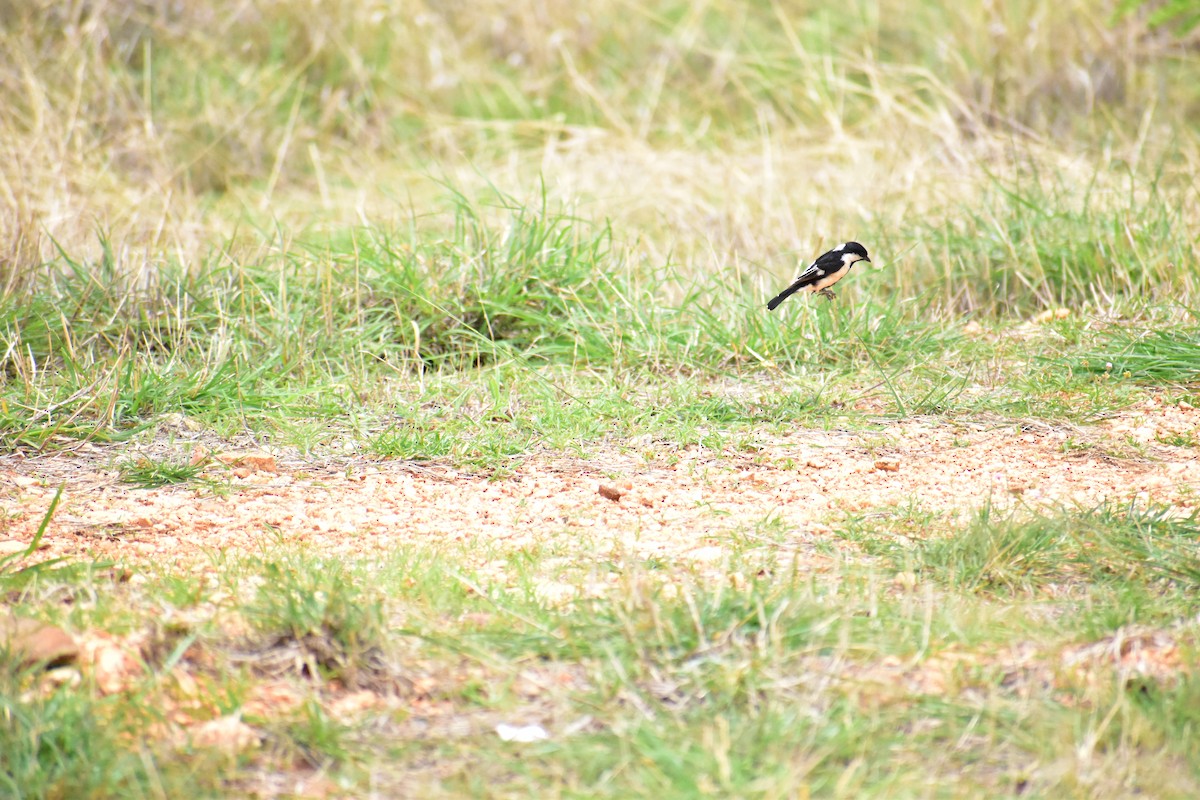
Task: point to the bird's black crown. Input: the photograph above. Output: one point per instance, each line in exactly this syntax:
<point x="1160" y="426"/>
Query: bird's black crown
<point x="856" y="248"/>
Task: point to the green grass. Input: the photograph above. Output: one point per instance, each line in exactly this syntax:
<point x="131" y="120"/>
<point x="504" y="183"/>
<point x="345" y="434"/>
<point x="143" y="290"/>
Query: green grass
<point x="1152" y="356"/>
<point x="63" y="743"/>
<point x="322" y="611"/>
<point x="1132" y="545"/>
<point x="148" y="473"/>
<point x="839" y="687"/>
<point x="1047" y="242"/>
<point x="525" y="310"/>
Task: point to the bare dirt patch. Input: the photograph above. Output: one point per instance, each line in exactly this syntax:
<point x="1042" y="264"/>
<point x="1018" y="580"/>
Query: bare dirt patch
<point x="615" y="501"/>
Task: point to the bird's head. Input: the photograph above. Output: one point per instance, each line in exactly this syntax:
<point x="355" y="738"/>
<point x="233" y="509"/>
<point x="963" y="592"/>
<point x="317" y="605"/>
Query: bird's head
<point x="856" y="249"/>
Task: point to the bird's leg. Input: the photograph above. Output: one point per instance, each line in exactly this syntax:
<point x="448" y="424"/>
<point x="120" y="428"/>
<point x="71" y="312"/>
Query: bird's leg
<point x="827" y="294"/>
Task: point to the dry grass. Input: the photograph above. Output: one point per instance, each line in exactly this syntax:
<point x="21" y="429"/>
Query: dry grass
<point x="706" y="136"/>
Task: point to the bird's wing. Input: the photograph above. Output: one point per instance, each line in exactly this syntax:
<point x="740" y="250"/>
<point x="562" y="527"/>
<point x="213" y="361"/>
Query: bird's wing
<point x="827" y="263"/>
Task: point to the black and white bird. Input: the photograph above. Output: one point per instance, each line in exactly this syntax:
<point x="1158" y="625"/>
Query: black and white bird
<point x="824" y="272"/>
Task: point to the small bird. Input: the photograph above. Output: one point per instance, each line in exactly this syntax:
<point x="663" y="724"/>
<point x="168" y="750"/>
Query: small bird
<point x="824" y="272"/>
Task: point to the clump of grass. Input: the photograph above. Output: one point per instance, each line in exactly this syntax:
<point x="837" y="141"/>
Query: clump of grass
<point x="1152" y="547"/>
<point x="149" y="473"/>
<point x="539" y="284"/>
<point x="1032" y="242"/>
<point x="318" y="617"/>
<point x="316" y="739"/>
<point x="1149" y="356"/>
<point x="407" y="441"/>
<point x="485" y="285"/>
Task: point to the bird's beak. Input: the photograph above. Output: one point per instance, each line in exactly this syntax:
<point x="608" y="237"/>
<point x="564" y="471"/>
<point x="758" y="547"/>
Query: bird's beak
<point x="867" y="259"/>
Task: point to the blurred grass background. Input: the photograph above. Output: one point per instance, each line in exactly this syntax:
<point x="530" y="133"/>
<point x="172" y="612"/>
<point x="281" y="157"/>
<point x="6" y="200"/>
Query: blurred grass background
<point x="200" y="201"/>
<point x="962" y="141"/>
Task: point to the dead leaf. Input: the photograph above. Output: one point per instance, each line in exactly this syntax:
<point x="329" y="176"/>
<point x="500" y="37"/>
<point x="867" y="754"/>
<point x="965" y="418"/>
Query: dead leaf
<point x="611" y="492"/>
<point x="32" y="642"/>
<point x="113" y="665"/>
<point x="250" y="462"/>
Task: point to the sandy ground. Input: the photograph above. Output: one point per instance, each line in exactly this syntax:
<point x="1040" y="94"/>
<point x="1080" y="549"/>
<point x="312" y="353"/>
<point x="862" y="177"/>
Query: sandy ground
<point x="613" y="501"/>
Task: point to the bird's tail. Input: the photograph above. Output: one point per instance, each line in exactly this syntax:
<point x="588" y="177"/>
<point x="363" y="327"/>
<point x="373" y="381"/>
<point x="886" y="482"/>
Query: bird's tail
<point x="784" y="295"/>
